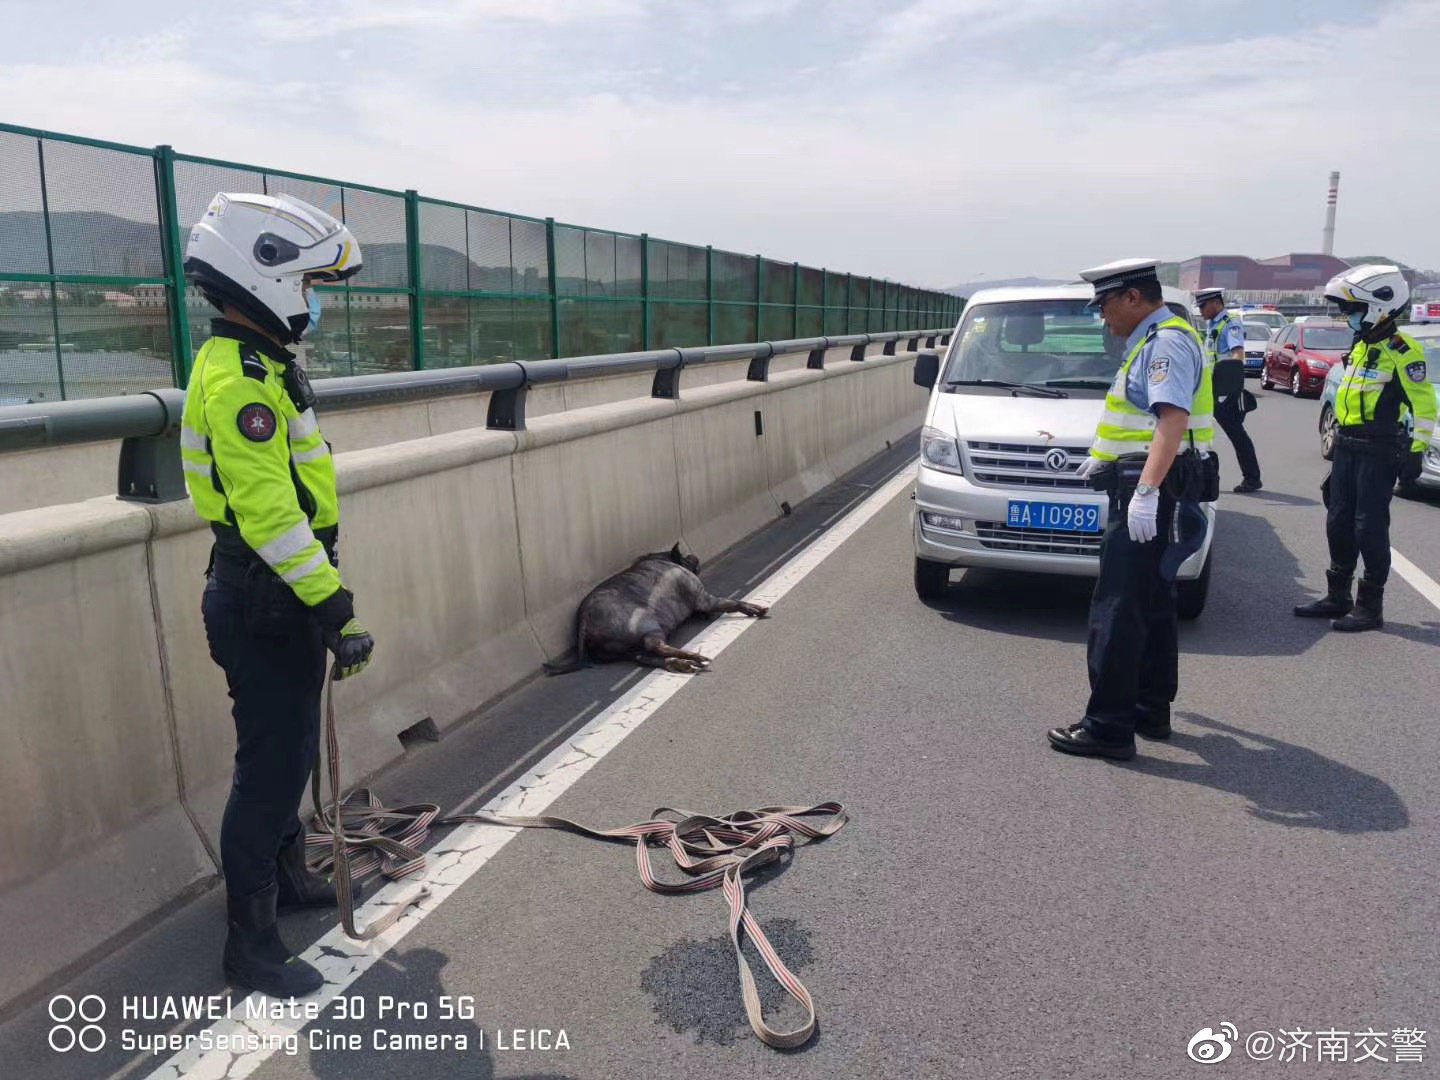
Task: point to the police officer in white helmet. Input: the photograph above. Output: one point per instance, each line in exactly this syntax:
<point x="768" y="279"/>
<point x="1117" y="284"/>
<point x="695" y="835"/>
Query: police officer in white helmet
<point x="1385" y="380"/>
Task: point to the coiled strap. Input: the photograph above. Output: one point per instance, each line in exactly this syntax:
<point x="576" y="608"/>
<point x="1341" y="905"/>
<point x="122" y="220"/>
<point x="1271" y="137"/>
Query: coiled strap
<point x="710" y="851"/>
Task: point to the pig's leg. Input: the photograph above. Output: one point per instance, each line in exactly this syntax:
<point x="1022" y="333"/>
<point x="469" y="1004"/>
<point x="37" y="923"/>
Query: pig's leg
<point x="659" y="653"/>
<point x="720" y="605"/>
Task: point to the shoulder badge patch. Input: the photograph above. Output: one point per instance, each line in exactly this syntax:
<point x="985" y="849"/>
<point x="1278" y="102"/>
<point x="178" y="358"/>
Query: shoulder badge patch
<point x="252" y="365"/>
<point x="1416" y="370"/>
<point x="1159" y="368"/>
<point x="257" y="422"/>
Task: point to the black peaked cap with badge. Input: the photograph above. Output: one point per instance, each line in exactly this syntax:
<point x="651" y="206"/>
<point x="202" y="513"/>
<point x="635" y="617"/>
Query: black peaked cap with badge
<point x="1118" y="275"/>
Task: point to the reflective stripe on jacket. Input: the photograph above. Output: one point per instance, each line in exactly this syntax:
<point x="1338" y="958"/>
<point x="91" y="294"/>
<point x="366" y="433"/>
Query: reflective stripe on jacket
<point x="1124" y="429"/>
<point x="255" y="461"/>
<point x="1383" y="379"/>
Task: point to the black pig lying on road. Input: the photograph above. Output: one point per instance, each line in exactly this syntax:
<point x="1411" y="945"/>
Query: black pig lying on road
<point x="629" y="616"/>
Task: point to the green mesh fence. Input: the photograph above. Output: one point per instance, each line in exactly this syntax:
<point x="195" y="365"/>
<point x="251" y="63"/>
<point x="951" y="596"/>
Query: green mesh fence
<point x="92" y="302"/>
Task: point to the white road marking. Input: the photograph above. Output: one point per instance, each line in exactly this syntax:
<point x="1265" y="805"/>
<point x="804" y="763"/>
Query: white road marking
<point x="465" y="851"/>
<point x="1420" y="581"/>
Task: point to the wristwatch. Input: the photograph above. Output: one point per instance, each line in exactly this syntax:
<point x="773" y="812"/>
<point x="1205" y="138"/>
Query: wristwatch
<point x="1143" y="488"/>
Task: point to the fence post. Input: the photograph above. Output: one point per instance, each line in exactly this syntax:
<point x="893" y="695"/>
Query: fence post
<point x="709" y="295"/>
<point x="759" y="292"/>
<point x="554" y="289"/>
<point x="849" y="298"/>
<point x="644" y="290"/>
<point x="417" y="302"/>
<point x="50" y="262"/>
<point x="171" y="227"/>
<point x="795" y="300"/>
<point x="824" y="301"/>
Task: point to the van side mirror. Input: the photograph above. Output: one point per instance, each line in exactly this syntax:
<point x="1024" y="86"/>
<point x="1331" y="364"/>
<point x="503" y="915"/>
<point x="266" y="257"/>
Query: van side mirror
<point x="927" y="369"/>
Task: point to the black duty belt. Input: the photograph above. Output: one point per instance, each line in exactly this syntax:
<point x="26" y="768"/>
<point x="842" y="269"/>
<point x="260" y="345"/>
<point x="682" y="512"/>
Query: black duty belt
<point x="1374" y="439"/>
<point x="232" y="557"/>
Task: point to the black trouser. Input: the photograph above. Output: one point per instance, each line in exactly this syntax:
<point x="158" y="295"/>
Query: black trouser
<point x="1232" y="422"/>
<point x="275" y="679"/>
<point x="1133" y="646"/>
<point x="1357" y="524"/>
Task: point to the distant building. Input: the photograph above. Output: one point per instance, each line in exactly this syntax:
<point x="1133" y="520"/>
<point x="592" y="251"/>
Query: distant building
<point x="1284" y="273"/>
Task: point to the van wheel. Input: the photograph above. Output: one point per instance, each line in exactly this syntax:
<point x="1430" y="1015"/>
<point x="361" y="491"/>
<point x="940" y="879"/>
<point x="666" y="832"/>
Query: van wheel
<point x="931" y="579"/>
<point x="1328" y="428"/>
<point x="1190" y="595"/>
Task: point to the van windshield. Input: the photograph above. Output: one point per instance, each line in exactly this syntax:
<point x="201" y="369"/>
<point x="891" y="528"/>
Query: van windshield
<point x="1034" y="341"/>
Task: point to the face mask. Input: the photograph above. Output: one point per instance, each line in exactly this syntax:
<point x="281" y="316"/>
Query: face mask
<point x="312" y="301"/>
<point x="1356" y="321"/>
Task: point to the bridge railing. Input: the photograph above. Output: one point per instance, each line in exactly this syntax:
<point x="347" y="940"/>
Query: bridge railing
<point x="148" y="423"/>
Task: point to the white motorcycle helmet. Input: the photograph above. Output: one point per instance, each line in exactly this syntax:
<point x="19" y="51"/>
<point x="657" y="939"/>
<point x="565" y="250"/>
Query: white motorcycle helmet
<point x="255" y="251"/>
<point x="1374" y="291"/>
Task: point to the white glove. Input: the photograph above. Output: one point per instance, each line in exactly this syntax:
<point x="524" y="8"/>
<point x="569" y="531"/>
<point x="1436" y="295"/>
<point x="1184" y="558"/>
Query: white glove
<point x="1143" y="509"/>
<point x="1089" y="465"/>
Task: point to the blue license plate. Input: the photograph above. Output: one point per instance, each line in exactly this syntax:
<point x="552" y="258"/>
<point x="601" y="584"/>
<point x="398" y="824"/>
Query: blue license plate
<point x="1064" y="517"/>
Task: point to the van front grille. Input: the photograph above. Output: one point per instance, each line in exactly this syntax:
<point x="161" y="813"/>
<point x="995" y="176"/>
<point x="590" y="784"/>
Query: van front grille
<point x="1001" y="537"/>
<point x="1021" y="465"/>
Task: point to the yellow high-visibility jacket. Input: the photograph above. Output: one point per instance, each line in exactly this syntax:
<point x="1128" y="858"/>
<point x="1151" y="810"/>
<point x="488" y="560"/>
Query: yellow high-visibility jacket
<point x="255" y="460"/>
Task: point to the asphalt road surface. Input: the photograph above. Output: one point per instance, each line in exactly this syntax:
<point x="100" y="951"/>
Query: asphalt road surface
<point x="994" y="909"/>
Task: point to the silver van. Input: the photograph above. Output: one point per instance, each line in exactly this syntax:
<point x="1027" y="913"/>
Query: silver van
<point x="1013" y="408"/>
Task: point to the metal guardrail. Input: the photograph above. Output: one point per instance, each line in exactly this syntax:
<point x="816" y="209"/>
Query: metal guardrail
<point x="149" y="422"/>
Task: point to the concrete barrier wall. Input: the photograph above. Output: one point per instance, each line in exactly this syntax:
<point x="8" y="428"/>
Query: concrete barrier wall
<point x="468" y="552"/>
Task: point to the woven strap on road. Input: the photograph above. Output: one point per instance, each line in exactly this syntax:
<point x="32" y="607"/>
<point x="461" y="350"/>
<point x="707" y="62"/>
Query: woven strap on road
<point x="711" y="851"/>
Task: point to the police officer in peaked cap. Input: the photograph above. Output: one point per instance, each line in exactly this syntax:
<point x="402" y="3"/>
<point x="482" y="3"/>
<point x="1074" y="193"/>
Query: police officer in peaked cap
<point x="1158" y="405"/>
<point x="1225" y="348"/>
<point x="260" y="471"/>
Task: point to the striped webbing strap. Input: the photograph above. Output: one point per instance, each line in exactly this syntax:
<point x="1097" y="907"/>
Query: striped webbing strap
<point x="710" y="851"/>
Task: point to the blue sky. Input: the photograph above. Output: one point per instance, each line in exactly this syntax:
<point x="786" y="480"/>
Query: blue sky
<point x="928" y="141"/>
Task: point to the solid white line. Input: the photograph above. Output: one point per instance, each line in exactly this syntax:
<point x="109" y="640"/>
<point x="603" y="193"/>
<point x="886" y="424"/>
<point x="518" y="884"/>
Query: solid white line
<point x="470" y="847"/>
<point x="1420" y="581"/>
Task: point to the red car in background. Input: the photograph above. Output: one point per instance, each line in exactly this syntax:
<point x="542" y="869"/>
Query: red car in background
<point x="1302" y="354"/>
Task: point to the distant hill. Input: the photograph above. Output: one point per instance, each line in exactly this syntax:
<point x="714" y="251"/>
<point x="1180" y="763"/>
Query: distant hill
<point x="84" y="242"/>
<point x="1412" y="275"/>
<point x="1002" y="283"/>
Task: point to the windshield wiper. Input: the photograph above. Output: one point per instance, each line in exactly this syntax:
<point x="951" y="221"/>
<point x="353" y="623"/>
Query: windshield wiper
<point x="1013" y="387"/>
<point x="1081" y="384"/>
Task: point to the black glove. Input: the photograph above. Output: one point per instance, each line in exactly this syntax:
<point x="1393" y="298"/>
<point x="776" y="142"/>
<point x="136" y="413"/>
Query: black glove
<point x="1410" y="466"/>
<point x="352" y="647"/>
<point x="343" y="634"/>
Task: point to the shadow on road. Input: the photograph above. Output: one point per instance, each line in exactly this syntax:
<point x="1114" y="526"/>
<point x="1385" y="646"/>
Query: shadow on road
<point x="417" y="980"/>
<point x="695" y="988"/>
<point x="1285" y="784"/>
<point x="1255" y="581"/>
<point x="1280" y="498"/>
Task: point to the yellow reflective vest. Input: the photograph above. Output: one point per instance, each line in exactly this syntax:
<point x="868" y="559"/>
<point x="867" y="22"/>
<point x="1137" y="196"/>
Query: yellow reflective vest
<point x="1124" y="429"/>
<point x="1381" y="381"/>
<point x="255" y="460"/>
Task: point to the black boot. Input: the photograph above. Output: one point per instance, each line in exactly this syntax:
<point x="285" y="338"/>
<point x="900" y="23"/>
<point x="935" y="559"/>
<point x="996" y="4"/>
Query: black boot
<point x="1369" y="607"/>
<point x="1333" y="603"/>
<point x="301" y="887"/>
<point x="255" y="956"/>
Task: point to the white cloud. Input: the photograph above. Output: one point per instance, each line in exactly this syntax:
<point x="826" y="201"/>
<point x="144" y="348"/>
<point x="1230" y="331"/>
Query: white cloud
<point x="926" y="174"/>
<point x="301" y="20"/>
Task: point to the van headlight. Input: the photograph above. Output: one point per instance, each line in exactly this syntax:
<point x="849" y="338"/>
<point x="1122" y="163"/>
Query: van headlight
<point x="939" y="451"/>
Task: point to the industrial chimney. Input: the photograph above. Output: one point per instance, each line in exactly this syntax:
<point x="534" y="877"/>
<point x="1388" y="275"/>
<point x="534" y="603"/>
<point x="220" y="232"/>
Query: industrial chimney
<point x="1329" y="245"/>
